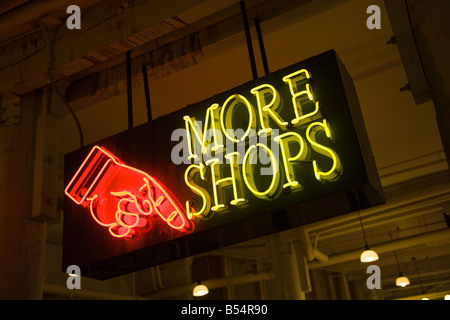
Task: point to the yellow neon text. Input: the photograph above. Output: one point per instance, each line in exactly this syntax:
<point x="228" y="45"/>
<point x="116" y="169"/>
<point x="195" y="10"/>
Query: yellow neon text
<point x="206" y="200"/>
<point x="219" y="183"/>
<point x="301" y="97"/>
<point x="226" y="120"/>
<point x="285" y="140"/>
<point x="193" y="129"/>
<point x="268" y="109"/>
<point x="335" y="169"/>
<point x="248" y="172"/>
<point x="304" y="141"/>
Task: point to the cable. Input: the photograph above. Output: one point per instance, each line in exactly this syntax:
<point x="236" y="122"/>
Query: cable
<point x="362" y="228"/>
<point x="55" y="88"/>
<point x="396" y="260"/>
<point x="418" y="277"/>
<point x="74" y="116"/>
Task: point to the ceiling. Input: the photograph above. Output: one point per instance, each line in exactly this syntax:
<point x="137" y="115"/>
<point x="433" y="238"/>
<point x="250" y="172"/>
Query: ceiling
<point x="404" y="136"/>
<point x="20" y="17"/>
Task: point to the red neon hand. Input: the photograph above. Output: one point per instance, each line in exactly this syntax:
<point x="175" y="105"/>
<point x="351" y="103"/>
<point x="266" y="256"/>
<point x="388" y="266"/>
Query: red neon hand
<point x="121" y="197"/>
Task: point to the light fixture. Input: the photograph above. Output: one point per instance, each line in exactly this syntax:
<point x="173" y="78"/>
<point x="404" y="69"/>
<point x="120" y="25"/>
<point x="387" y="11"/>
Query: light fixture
<point x="447" y="297"/>
<point x="367" y="255"/>
<point x="401" y="281"/>
<point x="200" y="290"/>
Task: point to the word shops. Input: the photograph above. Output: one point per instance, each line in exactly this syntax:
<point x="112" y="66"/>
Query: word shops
<point x="257" y="145"/>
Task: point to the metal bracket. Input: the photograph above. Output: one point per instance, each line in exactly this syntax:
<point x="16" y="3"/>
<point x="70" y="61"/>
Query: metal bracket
<point x="10" y="110"/>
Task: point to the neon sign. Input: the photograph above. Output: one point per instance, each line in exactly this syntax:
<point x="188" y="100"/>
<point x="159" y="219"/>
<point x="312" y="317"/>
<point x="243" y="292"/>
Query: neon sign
<point x="305" y="113"/>
<point x="122" y="198"/>
<point x="278" y="152"/>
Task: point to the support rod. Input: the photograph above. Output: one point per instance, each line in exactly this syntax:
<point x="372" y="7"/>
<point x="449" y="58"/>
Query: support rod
<point x="384" y="247"/>
<point x="249" y="40"/>
<point x="147" y="93"/>
<point x="129" y="91"/>
<point x="261" y="46"/>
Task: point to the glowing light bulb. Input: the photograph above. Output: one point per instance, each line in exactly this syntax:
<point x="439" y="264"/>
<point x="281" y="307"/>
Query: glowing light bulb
<point x="402" y="281"/>
<point x="200" y="290"/>
<point x="369" y="256"/>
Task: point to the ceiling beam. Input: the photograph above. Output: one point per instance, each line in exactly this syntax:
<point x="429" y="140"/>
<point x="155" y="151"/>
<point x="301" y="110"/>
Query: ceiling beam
<point x="216" y="33"/>
<point x="107" y="31"/>
<point x="140" y="29"/>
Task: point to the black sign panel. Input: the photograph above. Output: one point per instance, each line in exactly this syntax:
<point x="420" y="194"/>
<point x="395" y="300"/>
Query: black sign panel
<point x="275" y="153"/>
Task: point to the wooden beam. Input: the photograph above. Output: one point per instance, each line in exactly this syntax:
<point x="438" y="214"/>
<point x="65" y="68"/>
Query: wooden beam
<point x="107" y="31"/>
<point x="96" y="68"/>
<point x="215" y="34"/>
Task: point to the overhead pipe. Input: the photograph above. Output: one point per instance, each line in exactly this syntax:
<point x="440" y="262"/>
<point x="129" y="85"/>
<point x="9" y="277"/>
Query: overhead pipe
<point x="391" y="279"/>
<point x="156" y="278"/>
<point x="384" y="247"/>
<point x="407" y="204"/>
<point x="60" y="290"/>
<point x="152" y="271"/>
<point x="376" y="221"/>
<point x="212" y="284"/>
<point x="309" y="251"/>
